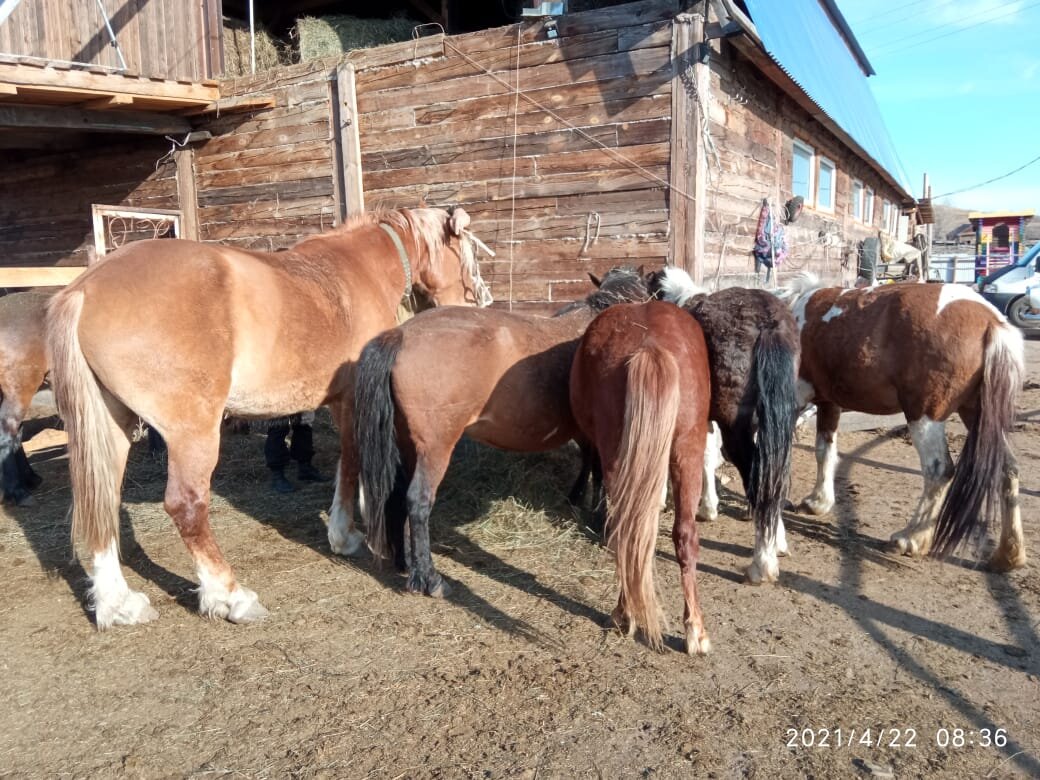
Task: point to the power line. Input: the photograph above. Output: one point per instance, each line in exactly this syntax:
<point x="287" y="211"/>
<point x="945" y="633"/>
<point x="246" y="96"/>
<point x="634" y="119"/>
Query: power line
<point x="904" y="19"/>
<point x="887" y="49"/>
<point x="983" y="184"/>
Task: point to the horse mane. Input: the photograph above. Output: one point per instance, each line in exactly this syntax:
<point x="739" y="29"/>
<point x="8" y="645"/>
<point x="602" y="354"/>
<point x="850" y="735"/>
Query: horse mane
<point x="619" y="285"/>
<point x="674" y="285"/>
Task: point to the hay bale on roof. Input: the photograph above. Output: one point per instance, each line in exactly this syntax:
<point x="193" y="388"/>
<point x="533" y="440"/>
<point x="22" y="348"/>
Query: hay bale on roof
<point x="335" y="34"/>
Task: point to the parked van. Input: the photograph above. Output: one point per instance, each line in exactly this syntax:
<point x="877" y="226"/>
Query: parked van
<point x="1011" y="289"/>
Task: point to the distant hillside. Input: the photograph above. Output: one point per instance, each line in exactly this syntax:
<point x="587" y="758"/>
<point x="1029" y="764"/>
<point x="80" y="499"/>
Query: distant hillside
<point x="949" y="218"/>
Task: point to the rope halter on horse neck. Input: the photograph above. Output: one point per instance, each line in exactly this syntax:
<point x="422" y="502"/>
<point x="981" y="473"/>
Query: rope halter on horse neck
<point x="403" y="255"/>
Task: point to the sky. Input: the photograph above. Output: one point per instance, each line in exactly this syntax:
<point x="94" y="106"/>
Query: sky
<point x="958" y="84"/>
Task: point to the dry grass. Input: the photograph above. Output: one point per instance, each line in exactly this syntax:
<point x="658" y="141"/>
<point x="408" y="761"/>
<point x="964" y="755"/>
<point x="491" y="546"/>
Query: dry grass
<point x="325" y="36"/>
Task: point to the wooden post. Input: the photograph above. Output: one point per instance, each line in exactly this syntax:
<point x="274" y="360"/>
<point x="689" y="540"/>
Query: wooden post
<point x="350" y="193"/>
<point x="187" y="193"/>
<point x="690" y="85"/>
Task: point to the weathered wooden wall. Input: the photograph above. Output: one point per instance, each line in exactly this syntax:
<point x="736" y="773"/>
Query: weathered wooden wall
<point x="752" y="124"/>
<point x="45" y="215"/>
<point x="161" y="38"/>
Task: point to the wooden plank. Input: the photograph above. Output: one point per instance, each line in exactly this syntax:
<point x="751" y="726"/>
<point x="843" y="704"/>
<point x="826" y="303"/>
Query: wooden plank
<point x="112" y="101"/>
<point x="93" y="121"/>
<point x="234" y="105"/>
<point x="590" y="69"/>
<point x="31" y="75"/>
<point x="348" y="140"/>
<point x="39" y="277"/>
<point x="393" y="53"/>
<point x="265" y="192"/>
<point x="187" y="194"/>
<point x="297" y="170"/>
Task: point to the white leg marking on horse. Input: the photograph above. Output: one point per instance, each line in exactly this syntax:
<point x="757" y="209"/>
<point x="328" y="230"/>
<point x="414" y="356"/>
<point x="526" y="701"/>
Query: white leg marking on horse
<point x="239" y="605"/>
<point x="344" y="538"/>
<point x="821" y="500"/>
<point x="805" y="392"/>
<point x="929" y="439"/>
<point x="113" y="601"/>
<point x="709" y="508"/>
<point x="1011" y="551"/>
<point x="781" y="537"/>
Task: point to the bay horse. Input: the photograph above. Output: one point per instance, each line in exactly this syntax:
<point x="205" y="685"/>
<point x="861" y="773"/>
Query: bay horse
<point x="926" y="350"/>
<point x="496" y="376"/>
<point x="753" y="343"/>
<point x="23" y="369"/>
<point x="640" y="389"/>
<point x="179" y="332"/>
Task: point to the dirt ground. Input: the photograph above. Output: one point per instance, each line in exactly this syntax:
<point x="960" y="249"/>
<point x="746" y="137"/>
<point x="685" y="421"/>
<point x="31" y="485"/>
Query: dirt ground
<point x="514" y="675"/>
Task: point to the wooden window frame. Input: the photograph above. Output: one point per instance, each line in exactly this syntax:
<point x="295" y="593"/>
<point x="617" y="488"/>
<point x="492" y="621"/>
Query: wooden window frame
<point x="796" y="146"/>
<point x="828" y="208"/>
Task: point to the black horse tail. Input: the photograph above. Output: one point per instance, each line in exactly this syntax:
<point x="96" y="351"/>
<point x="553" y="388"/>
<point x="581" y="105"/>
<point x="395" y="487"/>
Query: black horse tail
<point x="375" y="438"/>
<point x="976" y="491"/>
<point x="774" y="368"/>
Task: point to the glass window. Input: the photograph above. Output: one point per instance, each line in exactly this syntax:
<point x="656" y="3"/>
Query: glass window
<point x="825" y="187"/>
<point x="856" y="196"/>
<point x="802" y="171"/>
<point x="886" y="216"/>
<point x="868" y="206"/>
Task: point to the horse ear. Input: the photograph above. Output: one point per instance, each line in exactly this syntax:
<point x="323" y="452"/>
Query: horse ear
<point x="595" y="280"/>
<point x="458" y="221"/>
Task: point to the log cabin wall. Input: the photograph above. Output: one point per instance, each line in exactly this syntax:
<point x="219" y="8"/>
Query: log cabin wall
<point x="753" y="125"/>
<point x="45" y="214"/>
<point x="167" y="39"/>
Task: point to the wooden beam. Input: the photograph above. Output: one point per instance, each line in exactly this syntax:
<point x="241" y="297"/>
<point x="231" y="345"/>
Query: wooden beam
<point x="23" y="75"/>
<point x="348" y="141"/>
<point x="8" y="89"/>
<point x="55" y="117"/>
<point x="187" y="193"/>
<point x="39" y="277"/>
<point x="110" y="101"/>
<point x="232" y="105"/>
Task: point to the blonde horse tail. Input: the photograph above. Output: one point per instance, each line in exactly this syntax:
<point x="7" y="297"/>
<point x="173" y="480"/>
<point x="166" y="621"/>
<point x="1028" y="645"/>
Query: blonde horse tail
<point x="375" y="437"/>
<point x="651" y="410"/>
<point x="976" y="492"/>
<point x="92" y="448"/>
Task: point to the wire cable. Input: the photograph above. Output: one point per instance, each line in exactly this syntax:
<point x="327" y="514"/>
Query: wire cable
<point x="990" y="181"/>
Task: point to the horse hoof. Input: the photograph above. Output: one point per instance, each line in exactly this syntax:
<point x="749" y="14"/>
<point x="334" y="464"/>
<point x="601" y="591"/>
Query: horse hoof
<point x="915" y="546"/>
<point x="707" y="517"/>
<point x="758" y="572"/>
<point x="241" y="605"/>
<point x="348" y="545"/>
<point x="811" y="506"/>
<point x="252" y="612"/>
<point x="1004" y="561"/>
<point x="439" y="591"/>
<point x="697" y="642"/>
<point x="434" y="587"/>
<point x="129" y="610"/>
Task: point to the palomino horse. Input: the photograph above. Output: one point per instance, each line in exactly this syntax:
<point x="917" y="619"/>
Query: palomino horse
<point x="23" y="368"/>
<point x="926" y="351"/>
<point x="176" y="332"/>
<point x="641" y="392"/>
<point x="499" y="377"/>
<point x="753" y="343"/>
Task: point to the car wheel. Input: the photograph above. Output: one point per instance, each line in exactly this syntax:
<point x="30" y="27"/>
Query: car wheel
<point x="1016" y="311"/>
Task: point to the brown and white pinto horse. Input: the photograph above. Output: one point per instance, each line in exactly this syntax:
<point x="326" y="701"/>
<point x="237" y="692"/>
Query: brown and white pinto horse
<point x="641" y="392"/>
<point x="23" y="368"/>
<point x="498" y="377"/>
<point x="178" y="332"/>
<point x="926" y="351"/>
<point x="754" y="344"/>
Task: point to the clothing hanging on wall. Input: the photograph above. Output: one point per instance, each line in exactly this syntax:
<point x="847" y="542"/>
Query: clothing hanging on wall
<point x="770" y="243"/>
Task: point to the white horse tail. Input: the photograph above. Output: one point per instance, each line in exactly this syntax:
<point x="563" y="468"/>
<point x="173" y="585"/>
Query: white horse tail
<point x="92" y="448"/>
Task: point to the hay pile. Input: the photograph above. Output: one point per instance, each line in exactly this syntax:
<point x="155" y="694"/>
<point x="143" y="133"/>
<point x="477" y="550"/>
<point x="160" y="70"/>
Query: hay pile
<point x="335" y="34"/>
<point x="236" y="49"/>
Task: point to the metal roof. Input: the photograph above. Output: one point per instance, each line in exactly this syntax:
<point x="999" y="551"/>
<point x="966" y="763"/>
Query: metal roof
<point x="805" y="38"/>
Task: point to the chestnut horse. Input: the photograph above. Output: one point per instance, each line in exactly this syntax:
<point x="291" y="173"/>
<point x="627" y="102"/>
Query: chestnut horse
<point x="641" y="393"/>
<point x="23" y="368"/>
<point x="753" y="343"/>
<point x="176" y="332"/>
<point x="926" y="351"/>
<point x="498" y="377"/>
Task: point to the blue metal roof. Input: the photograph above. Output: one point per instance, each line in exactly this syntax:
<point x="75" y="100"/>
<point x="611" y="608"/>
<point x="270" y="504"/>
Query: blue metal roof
<point x="803" y="39"/>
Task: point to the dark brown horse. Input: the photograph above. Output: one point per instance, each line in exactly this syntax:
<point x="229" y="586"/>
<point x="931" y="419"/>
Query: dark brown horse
<point x="176" y="332"/>
<point x="641" y="393"/>
<point x="927" y="351"/>
<point x="753" y="343"/>
<point x="496" y="376"/>
<point x="23" y="368"/>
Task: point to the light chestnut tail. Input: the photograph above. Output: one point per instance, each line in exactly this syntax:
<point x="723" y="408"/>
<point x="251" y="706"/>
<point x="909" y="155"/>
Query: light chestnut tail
<point x="651" y="409"/>
<point x="92" y="449"/>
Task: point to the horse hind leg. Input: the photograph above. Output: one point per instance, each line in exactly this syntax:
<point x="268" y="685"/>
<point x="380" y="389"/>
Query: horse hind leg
<point x="929" y="438"/>
<point x="192" y="458"/>
<point x="708" y="509"/>
<point x="422" y="492"/>
<point x="1011" y="549"/>
<point x="14" y="467"/>
<point x="821" y="500"/>
<point x="686" y="487"/>
<point x="344" y="537"/>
